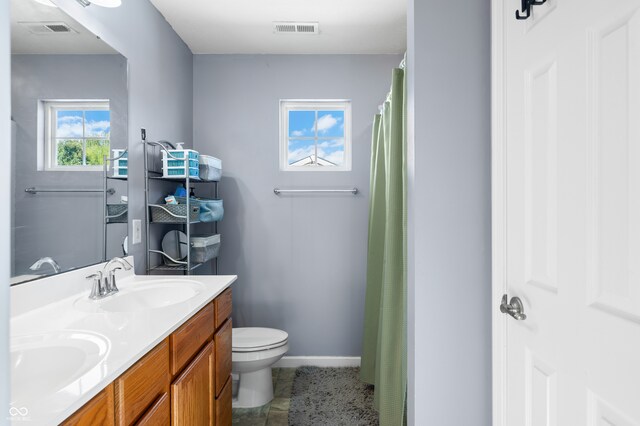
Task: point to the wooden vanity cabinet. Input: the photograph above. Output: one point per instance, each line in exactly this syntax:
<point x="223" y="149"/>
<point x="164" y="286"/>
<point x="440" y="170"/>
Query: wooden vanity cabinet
<point x="97" y="412"/>
<point x="184" y="381"/>
<point x="223" y="348"/>
<point x="192" y="392"/>
<point x="223" y="405"/>
<point x="193" y="368"/>
<point x="222" y="307"/>
<point x="223" y="355"/>
<point x="190" y="338"/>
<point x="159" y="414"/>
<point x="138" y="388"/>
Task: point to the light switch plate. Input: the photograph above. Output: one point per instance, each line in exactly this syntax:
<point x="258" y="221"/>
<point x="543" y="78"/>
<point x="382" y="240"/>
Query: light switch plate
<point x="137" y="231"/>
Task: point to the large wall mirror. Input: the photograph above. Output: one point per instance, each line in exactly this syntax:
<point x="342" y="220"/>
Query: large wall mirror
<point x="69" y="104"/>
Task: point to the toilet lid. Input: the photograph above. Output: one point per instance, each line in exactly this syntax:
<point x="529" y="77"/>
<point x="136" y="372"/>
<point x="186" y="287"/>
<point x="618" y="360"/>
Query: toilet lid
<point x="248" y="339"/>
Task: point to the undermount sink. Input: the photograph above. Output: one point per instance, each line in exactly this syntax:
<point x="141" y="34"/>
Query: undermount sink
<point x="47" y="363"/>
<point x="152" y="294"/>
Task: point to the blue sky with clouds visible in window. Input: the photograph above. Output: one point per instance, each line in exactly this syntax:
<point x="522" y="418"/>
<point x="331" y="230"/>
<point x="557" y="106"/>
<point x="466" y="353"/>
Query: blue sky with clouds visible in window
<point x="69" y="124"/>
<point x="330" y="125"/>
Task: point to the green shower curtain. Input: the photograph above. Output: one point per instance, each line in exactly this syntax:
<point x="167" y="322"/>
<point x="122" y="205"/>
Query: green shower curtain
<point x="384" y="348"/>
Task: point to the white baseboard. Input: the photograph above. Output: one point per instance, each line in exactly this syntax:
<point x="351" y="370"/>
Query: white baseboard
<point x="318" y="361"/>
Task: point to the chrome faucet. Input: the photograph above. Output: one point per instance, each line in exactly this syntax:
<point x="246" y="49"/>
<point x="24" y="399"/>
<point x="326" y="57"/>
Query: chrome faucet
<point x="110" y="271"/>
<point x="47" y="260"/>
<point x="104" y="282"/>
<point x="98" y="290"/>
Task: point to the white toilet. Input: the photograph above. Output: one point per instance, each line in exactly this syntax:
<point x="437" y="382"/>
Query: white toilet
<point x="255" y="350"/>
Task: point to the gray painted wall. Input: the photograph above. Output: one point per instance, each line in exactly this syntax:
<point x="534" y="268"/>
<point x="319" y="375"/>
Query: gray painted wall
<point x="5" y="214"/>
<point x="448" y="63"/>
<point x="160" y="83"/>
<point x="301" y="260"/>
<point x="67" y="227"/>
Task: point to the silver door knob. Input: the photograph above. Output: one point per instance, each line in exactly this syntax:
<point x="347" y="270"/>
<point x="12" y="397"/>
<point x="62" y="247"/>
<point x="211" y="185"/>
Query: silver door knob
<point x="513" y="308"/>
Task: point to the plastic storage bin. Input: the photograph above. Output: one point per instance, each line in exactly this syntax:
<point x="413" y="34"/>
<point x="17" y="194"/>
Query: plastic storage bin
<point x="120" y="172"/>
<point x="121" y="165"/>
<point x="211" y="210"/>
<point x="204" y="247"/>
<point x="210" y="168"/>
<point x="175" y="168"/>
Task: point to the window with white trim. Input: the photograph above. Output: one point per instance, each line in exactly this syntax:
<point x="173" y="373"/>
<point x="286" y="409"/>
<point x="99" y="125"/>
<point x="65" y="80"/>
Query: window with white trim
<point x="315" y="135"/>
<point x="77" y="134"/>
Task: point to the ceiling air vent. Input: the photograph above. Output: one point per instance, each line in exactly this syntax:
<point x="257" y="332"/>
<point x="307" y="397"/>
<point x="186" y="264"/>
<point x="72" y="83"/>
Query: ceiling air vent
<point x="44" y="28"/>
<point x="58" y="28"/>
<point x="295" y="28"/>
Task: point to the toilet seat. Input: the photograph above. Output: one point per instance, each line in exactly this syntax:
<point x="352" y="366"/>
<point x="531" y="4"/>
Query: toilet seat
<point x="254" y="339"/>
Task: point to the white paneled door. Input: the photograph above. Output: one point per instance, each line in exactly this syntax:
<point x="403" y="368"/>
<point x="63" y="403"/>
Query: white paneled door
<point x="567" y="213"/>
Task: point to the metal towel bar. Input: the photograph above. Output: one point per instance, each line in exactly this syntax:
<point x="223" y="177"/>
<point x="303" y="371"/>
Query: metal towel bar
<point x="34" y="190"/>
<point x="279" y="191"/>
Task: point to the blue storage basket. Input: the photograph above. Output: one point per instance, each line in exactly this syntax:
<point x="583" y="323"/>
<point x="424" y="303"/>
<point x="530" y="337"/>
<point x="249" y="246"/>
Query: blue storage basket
<point x="210" y="210"/>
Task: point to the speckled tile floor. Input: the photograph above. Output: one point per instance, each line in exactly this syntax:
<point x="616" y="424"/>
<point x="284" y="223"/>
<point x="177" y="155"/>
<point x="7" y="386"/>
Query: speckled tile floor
<point x="276" y="413"/>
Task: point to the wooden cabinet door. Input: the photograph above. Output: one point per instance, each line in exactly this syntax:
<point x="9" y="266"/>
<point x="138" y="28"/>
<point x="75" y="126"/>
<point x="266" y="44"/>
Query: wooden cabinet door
<point x="223" y="340"/>
<point x="192" y="393"/>
<point x="142" y="384"/>
<point x="223" y="405"/>
<point x="159" y="414"/>
<point x="97" y="412"/>
<point x="190" y="337"/>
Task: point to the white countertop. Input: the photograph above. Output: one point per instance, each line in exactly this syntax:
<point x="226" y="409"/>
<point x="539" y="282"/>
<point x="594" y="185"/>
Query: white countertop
<point x="124" y="337"/>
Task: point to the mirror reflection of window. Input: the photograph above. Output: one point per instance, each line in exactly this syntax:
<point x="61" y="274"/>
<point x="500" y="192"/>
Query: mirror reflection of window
<point x="77" y="134"/>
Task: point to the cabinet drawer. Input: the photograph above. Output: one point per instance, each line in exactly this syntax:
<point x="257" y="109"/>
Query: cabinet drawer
<point x="98" y="411"/>
<point x="188" y="339"/>
<point x="192" y="398"/>
<point x="142" y="384"/>
<point x="223" y="355"/>
<point x="223" y="307"/>
<point x="223" y="405"/>
<point x="159" y="414"/>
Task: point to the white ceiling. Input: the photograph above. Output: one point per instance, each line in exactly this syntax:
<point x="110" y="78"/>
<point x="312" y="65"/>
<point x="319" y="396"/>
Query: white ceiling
<point x="245" y="26"/>
<point x="82" y="41"/>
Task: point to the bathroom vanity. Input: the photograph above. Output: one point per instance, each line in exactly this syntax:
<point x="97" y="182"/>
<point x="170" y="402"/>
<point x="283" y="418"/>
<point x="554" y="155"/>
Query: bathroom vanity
<point x="156" y="353"/>
<point x="184" y="380"/>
